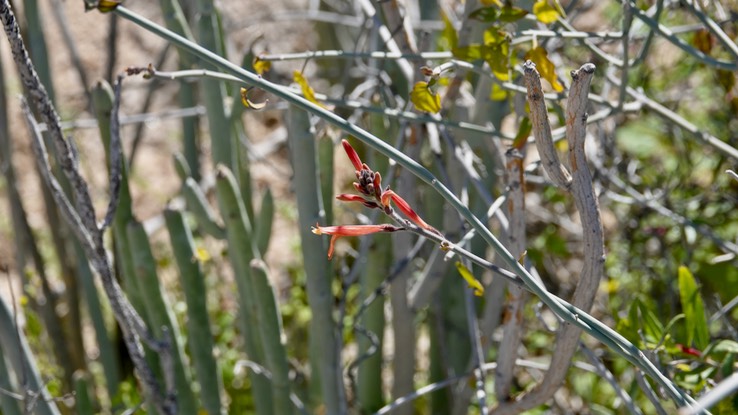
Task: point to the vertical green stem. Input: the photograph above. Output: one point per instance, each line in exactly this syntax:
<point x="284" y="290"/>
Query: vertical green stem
<point x="198" y="324"/>
<point x="325" y="349"/>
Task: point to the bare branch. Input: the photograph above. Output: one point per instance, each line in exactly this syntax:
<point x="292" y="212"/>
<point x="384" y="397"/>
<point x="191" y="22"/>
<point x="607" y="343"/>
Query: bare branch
<point x="582" y="190"/>
<point x="542" y="129"/>
<point x="116" y="158"/>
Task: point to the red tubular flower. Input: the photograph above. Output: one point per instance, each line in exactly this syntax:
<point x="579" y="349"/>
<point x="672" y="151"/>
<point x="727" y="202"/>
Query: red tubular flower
<point x="350" y="230"/>
<point x="405" y="208"/>
<point x="356" y="198"/>
<point x="352" y="155"/>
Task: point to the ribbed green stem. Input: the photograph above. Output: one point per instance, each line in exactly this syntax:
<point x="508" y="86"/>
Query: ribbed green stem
<point x="264" y="223"/>
<point x="161" y="314"/>
<point x="108" y="354"/>
<point x="8" y="404"/>
<point x="198" y="324"/>
<point x="324" y="341"/>
<point x="82" y="401"/>
<point x="213" y="92"/>
<point x="370" y="370"/>
<point x="325" y="161"/>
<point x="15" y="348"/>
<point x="272" y="336"/>
<point x="243" y="251"/>
<point x="175" y="20"/>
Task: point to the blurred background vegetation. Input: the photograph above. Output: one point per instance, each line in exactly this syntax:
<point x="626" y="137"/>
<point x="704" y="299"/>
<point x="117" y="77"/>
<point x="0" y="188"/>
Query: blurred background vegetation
<point x="211" y="238"/>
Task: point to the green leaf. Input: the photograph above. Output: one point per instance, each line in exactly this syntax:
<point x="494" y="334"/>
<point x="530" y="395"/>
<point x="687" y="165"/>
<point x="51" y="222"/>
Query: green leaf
<point x="545" y="13"/>
<point x="485" y="14"/>
<point x="424" y="99"/>
<point x="545" y="67"/>
<point x="449" y="38"/>
<point x="495" y="52"/>
<point x="652" y="327"/>
<point x="469" y="277"/>
<point x="510" y="14"/>
<point x="694" y="310"/>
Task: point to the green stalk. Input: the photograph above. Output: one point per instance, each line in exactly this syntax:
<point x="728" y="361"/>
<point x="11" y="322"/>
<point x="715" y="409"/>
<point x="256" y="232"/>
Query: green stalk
<point x="243" y="251"/>
<point x="264" y="223"/>
<point x="82" y="401"/>
<point x="325" y="352"/>
<point x="199" y="333"/>
<point x="272" y="337"/>
<point x="175" y="20"/>
<point x="213" y="92"/>
<point x="15" y="347"/>
<point x="161" y="314"/>
<point x="8" y="404"/>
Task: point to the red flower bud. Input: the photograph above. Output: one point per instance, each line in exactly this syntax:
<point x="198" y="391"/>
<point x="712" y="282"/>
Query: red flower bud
<point x="352" y="155"/>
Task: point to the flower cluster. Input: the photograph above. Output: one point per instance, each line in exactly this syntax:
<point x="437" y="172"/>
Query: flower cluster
<point x="373" y="196"/>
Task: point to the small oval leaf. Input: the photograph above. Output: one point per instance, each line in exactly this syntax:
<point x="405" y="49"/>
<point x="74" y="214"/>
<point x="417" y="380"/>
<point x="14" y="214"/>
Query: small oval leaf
<point x="424" y="99"/>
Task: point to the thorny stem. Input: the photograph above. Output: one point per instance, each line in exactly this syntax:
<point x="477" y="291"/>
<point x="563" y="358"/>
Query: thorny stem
<point x="566" y="311"/>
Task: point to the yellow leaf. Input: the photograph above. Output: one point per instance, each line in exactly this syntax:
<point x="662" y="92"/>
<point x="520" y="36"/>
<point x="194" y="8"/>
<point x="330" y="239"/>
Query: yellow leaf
<point x="448" y="38"/>
<point x="106" y="6"/>
<point x="202" y="255"/>
<point x="545" y="13"/>
<point x="473" y="282"/>
<point x="545" y="67"/>
<point x="424" y="99"/>
<point x="261" y="66"/>
<point x="497" y="3"/>
<point x="498" y="94"/>
<point x="248" y="103"/>
<point x="307" y="90"/>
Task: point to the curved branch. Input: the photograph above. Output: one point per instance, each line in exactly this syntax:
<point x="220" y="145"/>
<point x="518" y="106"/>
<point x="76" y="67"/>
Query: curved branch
<point x="567" y="338"/>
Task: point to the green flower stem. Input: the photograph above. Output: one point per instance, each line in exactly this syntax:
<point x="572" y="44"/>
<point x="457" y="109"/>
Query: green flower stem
<point x="82" y="401"/>
<point x="566" y="311"/>
<point x="199" y="333"/>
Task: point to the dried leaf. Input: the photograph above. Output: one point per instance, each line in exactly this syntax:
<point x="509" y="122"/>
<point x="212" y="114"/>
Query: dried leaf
<point x="545" y="67"/>
<point x="545" y="12"/>
<point x="307" y="90"/>
<point x="424" y="99"/>
<point x="105" y="6"/>
<point x="261" y="66"/>
<point x="703" y="41"/>
<point x="250" y="104"/>
<point x="469" y="277"/>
